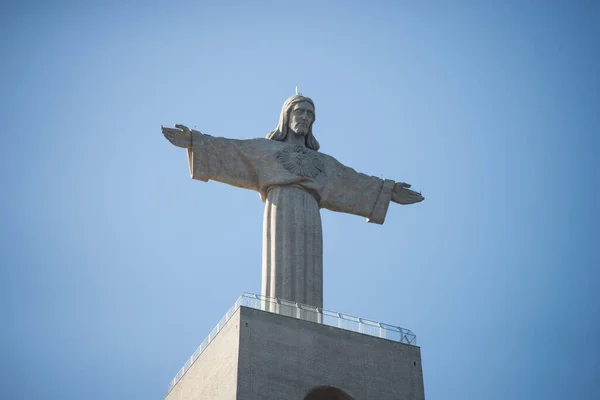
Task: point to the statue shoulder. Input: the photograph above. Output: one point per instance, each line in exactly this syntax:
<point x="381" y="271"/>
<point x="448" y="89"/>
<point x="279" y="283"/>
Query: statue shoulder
<point x="327" y="158"/>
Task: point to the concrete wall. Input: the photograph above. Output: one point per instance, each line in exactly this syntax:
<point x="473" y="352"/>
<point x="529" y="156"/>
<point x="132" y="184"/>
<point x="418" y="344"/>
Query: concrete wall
<point x="214" y="374"/>
<point x="260" y="355"/>
<point x="284" y="358"/>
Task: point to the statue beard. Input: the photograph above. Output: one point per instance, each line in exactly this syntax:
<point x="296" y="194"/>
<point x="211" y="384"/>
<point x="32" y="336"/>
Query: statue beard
<point x="299" y="129"/>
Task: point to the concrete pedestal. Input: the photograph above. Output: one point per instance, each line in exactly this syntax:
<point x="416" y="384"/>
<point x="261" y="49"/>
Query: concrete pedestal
<point x="262" y="355"/>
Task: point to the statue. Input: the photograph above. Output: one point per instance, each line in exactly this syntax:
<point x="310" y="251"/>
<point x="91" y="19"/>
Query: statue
<point x="294" y="181"/>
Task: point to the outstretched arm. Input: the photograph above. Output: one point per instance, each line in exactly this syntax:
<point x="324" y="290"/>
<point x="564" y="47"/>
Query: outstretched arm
<point x="231" y="161"/>
<point x="359" y="194"/>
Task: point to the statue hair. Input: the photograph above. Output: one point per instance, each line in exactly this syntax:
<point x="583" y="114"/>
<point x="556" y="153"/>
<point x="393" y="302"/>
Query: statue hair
<point x="281" y="132"/>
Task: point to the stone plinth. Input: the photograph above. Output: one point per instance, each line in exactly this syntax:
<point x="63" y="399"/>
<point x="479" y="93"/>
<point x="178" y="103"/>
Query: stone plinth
<point x="262" y="355"/>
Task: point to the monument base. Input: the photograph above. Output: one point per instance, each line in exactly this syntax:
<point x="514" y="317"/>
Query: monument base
<point x="262" y="355"/>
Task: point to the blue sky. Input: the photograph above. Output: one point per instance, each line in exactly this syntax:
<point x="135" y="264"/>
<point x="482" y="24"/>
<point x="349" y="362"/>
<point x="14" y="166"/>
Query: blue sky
<point x="114" y="264"/>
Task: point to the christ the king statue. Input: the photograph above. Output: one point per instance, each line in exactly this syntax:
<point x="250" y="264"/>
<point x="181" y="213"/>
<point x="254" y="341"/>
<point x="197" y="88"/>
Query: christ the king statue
<point x="294" y="181"/>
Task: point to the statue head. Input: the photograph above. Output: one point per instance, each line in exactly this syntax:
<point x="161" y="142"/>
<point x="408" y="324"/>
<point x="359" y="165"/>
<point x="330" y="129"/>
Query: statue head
<point x="299" y="124"/>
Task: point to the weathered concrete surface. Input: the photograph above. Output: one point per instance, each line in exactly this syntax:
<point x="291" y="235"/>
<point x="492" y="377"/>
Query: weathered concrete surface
<point x="214" y="374"/>
<point x="284" y="358"/>
<point x="279" y="357"/>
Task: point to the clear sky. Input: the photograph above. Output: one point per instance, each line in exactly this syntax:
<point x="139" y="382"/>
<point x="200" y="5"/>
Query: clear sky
<point x="115" y="265"/>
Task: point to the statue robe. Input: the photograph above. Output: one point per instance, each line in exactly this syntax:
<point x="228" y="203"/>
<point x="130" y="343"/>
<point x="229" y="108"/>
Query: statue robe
<point x="294" y="182"/>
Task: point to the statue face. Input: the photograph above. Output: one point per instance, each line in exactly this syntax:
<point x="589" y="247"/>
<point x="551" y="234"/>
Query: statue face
<point x="302" y="116"/>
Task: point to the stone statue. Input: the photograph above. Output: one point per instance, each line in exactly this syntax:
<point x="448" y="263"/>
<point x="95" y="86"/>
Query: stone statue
<point x="294" y="181"/>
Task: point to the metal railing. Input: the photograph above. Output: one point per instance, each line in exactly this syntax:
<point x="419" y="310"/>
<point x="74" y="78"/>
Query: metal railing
<point x="304" y="312"/>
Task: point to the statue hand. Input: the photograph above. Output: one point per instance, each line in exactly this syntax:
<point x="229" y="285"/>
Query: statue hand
<point x="403" y="195"/>
<point x="180" y="136"/>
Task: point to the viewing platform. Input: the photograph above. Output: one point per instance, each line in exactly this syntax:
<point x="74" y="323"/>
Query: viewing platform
<point x="301" y="312"/>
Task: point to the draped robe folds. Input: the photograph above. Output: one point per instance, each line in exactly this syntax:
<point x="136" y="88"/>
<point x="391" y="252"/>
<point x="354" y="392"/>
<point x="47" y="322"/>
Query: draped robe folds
<point x="294" y="183"/>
